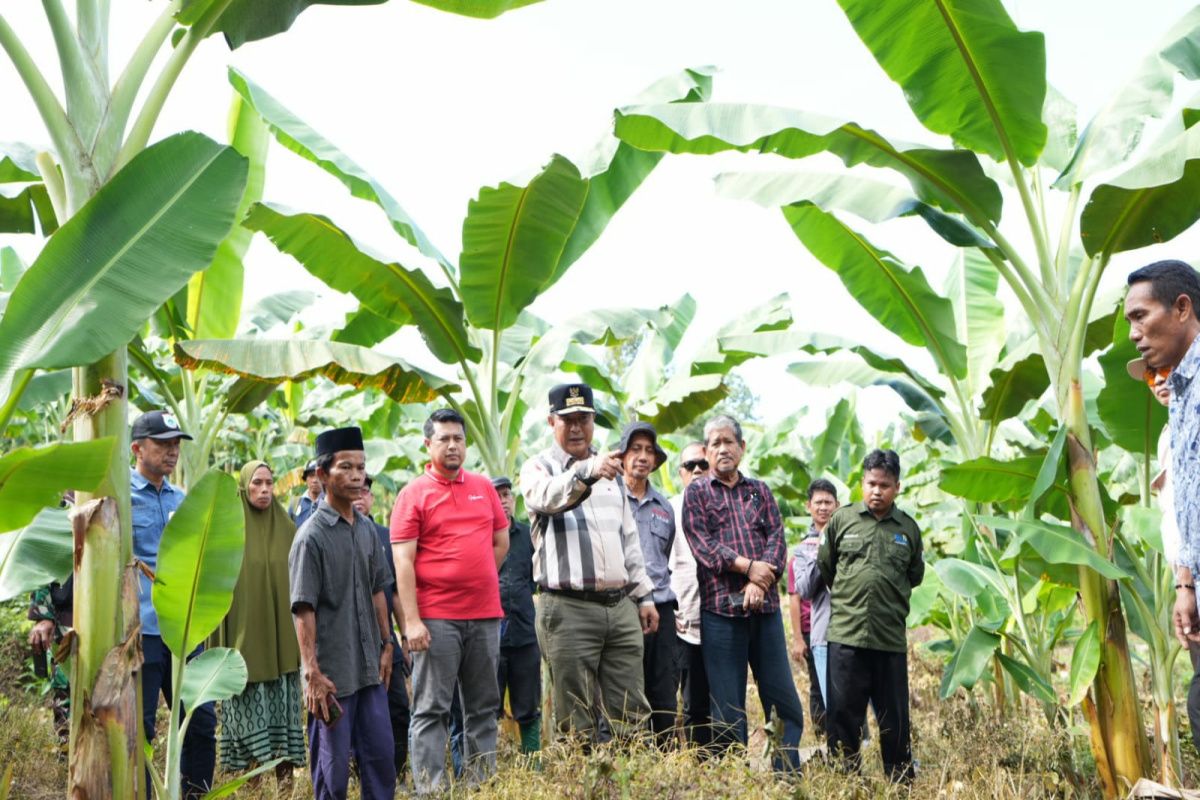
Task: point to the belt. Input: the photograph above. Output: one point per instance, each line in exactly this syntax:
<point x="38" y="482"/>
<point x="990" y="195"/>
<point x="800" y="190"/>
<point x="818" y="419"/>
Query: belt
<point x="606" y="598"/>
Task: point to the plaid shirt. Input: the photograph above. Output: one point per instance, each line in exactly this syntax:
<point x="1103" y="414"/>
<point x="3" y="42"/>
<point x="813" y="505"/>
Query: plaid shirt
<point x="723" y="522"/>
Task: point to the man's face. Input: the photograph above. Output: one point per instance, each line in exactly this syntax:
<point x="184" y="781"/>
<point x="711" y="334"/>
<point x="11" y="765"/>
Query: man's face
<point x="156" y="456"/>
<point x="346" y="476"/>
<point x="448" y="447"/>
<point x="639" y="458"/>
<point x="364" y="501"/>
<point x="821" y="506"/>
<point x="313" y="483"/>
<point x="692" y="464"/>
<point x="573" y="432"/>
<point x="507" y="501"/>
<point x="879" y="490"/>
<point x="1158" y="332"/>
<point x="724" y="451"/>
<point x="261" y="490"/>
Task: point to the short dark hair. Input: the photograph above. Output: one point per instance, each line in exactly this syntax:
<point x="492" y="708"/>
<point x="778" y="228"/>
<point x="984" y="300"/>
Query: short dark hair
<point x="444" y="415"/>
<point x="325" y="462"/>
<point x="368" y="482"/>
<point x="886" y="460"/>
<point x="822" y="485"/>
<point x="1169" y="279"/>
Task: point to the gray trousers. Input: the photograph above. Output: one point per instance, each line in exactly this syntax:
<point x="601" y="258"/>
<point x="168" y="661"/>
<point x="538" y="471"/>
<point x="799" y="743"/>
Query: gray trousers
<point x="593" y="649"/>
<point x="465" y="652"/>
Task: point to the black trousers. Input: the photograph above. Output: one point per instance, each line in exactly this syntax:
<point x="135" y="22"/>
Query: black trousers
<point x="858" y="675"/>
<point x="659" y="670"/>
<point x="520" y="674"/>
<point x="816" y="703"/>
<point x="693" y="680"/>
<point x="398" y="712"/>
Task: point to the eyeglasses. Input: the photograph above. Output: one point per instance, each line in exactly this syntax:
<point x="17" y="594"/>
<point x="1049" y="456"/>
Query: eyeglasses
<point x="1151" y="376"/>
<point x="690" y="466"/>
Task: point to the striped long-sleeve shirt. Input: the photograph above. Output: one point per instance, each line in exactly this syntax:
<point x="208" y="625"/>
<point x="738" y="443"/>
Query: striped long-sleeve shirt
<point x="584" y="535"/>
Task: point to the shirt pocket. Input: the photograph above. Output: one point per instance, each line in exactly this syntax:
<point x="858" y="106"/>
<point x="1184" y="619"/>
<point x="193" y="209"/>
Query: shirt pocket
<point x="898" y="553"/>
<point x="852" y="550"/>
<point x="661" y="530"/>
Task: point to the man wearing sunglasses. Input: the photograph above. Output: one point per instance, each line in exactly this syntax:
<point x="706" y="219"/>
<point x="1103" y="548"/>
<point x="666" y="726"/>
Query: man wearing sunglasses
<point x="1161" y="307"/>
<point x="693" y="681"/>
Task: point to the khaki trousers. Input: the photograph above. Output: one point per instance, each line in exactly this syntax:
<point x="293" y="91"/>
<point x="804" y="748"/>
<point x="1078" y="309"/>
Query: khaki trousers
<point x="588" y="647"/>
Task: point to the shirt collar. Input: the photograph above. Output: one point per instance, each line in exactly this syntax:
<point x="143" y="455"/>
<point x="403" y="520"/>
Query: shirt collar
<point x="713" y="480"/>
<point x="327" y="514"/>
<point x="1183" y="374"/>
<point x="861" y="507"/>
<point x="564" y="458"/>
<point x="433" y="474"/>
<point x="138" y="482"/>
<point x="652" y="495"/>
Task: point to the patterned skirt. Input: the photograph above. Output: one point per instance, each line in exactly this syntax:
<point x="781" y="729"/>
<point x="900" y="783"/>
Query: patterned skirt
<point x="262" y="723"/>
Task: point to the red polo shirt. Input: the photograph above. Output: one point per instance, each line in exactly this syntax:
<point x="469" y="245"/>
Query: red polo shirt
<point x="452" y="522"/>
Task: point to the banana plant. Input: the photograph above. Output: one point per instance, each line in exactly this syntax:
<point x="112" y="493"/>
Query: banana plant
<point x="970" y="74"/>
<point x="518" y="240"/>
<point x="104" y="191"/>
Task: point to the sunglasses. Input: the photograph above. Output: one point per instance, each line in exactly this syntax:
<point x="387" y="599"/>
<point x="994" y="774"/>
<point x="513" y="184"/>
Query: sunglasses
<point x="690" y="466"/>
<point x="1151" y="376"/>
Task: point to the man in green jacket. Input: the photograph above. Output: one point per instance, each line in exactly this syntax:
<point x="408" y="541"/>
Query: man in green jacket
<point x="871" y="560"/>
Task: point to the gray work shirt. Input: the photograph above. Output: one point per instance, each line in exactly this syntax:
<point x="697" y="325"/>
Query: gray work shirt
<point x="336" y="567"/>
<point x="810" y="586"/>
<point x="656" y="530"/>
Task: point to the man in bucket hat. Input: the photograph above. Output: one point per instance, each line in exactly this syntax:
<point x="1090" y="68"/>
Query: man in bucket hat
<point x="597" y="601"/>
<point x="304" y="505"/>
<point x="641" y="455"/>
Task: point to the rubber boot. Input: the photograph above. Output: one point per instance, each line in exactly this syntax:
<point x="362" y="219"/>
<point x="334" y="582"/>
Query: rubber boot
<point x="531" y="736"/>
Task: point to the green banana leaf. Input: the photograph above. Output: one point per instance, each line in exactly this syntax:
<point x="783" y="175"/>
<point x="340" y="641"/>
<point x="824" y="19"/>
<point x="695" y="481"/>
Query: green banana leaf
<point x="218" y="673"/>
<point x="518" y="241"/>
<point x="968" y="579"/>
<point x="32" y="479"/>
<point x="128" y="250"/>
<point x="1062" y="129"/>
<point x="952" y="180"/>
<point x="769" y="317"/>
<point x="979" y="314"/>
<point x="989" y="480"/>
<point x="215" y="295"/>
<point x="25" y="206"/>
<point x="199" y="561"/>
<point x="1132" y="415"/>
<point x="1013" y="387"/>
<point x="1153" y="202"/>
<point x="1057" y="544"/>
<point x="969" y="661"/>
<point x="295" y="360"/>
<point x="1085" y="661"/>
<point x="11" y="269"/>
<point x="1116" y="130"/>
<point x="484" y="9"/>
<point x="966" y="70"/>
<point x="871" y="200"/>
<point x="364" y="328"/>
<point x="250" y="20"/>
<point x="828" y="443"/>
<point x="899" y="298"/>
<point x="36" y="555"/>
<point x="296" y="136"/>
<point x="1029" y="681"/>
<point x="682" y="400"/>
<point x="388" y="289"/>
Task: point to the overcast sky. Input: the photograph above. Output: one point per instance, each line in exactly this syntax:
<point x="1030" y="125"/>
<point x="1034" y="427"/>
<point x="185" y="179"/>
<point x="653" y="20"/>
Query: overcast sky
<point x="436" y="106"/>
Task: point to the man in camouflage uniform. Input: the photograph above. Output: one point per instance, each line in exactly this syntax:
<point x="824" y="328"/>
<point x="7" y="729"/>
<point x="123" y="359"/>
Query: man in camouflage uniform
<point x="50" y="610"/>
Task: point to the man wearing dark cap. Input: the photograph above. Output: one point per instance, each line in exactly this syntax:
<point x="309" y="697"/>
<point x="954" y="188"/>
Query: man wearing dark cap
<point x="520" y="672"/>
<point x="304" y="505"/>
<point x="338" y="579"/>
<point x="155" y="442"/>
<point x="597" y="600"/>
<point x="640" y="456"/>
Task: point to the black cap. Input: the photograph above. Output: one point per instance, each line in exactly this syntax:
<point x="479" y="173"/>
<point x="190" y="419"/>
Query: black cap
<point x="648" y="429"/>
<point x="500" y="482"/>
<point x="309" y="469"/>
<point x="157" y="425"/>
<point x="571" y="398"/>
<point x="339" y="439"/>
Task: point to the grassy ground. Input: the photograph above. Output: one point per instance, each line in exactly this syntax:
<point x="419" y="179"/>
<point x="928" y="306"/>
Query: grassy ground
<point x="965" y="751"/>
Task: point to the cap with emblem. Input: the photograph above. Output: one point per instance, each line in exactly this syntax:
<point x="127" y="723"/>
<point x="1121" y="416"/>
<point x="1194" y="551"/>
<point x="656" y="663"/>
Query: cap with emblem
<point x="339" y="439"/>
<point x="501" y="482"/>
<point x="157" y="425"/>
<point x="571" y="398"/>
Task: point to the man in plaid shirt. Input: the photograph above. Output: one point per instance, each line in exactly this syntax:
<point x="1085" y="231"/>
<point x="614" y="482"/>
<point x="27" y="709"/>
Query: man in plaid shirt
<point x="733" y="526"/>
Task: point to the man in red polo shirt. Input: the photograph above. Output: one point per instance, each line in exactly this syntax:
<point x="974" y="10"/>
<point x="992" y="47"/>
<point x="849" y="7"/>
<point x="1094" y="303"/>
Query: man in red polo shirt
<point x="449" y="537"/>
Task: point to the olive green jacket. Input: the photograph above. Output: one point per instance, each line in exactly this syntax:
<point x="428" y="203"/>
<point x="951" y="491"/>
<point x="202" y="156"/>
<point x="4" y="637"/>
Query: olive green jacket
<point x="871" y="567"/>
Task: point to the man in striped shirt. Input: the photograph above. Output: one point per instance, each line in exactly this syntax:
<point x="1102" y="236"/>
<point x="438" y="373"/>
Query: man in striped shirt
<point x="596" y="599"/>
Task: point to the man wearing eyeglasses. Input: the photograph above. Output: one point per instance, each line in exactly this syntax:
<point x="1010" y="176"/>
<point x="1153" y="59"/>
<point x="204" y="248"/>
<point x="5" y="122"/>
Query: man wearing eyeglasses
<point x="1161" y="306"/>
<point x="693" y="681"/>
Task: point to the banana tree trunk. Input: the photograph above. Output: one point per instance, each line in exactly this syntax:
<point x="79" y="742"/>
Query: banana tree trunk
<point x="1118" y="739"/>
<point x="106" y="733"/>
